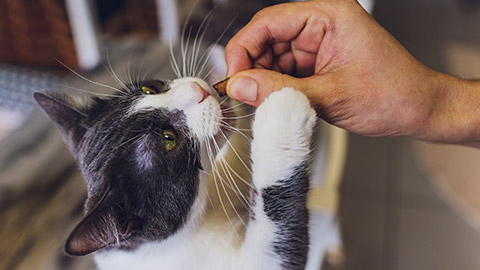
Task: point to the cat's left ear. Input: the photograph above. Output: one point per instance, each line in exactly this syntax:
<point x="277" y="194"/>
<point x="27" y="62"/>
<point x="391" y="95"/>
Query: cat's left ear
<point x="65" y="116"/>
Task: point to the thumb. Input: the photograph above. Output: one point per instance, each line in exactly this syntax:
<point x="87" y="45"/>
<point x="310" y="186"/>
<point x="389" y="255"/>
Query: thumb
<point x="254" y="85"/>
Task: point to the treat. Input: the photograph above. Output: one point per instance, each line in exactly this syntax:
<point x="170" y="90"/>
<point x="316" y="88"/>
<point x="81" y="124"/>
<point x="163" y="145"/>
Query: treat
<point x="221" y="87"/>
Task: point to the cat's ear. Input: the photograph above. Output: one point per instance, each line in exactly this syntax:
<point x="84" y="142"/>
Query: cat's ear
<point x="99" y="229"/>
<point x="66" y="117"/>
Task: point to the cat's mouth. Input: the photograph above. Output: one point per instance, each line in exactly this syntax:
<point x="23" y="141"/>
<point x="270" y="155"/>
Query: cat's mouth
<point x="227" y="119"/>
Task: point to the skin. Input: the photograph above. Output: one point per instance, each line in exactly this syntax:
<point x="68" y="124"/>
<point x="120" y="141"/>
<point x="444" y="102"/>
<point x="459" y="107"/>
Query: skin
<point x="355" y="74"/>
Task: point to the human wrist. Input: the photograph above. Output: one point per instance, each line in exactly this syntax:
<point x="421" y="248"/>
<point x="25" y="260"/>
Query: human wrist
<point x="455" y="113"/>
<point x="469" y="113"/>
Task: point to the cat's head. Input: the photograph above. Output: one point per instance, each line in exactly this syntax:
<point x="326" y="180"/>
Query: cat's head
<point x="141" y="156"/>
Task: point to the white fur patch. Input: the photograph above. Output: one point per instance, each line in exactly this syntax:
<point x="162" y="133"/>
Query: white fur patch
<point x="144" y="156"/>
<point x="202" y="114"/>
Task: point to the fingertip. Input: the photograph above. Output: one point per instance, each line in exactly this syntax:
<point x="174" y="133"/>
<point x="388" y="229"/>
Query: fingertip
<point x="253" y="86"/>
<point x="243" y="88"/>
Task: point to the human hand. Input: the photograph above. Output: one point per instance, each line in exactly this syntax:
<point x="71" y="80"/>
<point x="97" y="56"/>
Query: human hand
<point x="356" y="75"/>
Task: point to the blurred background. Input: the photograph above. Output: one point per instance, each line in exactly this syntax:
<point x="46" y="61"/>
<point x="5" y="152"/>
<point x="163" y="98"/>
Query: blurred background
<point x="406" y="204"/>
<point x="403" y="205"/>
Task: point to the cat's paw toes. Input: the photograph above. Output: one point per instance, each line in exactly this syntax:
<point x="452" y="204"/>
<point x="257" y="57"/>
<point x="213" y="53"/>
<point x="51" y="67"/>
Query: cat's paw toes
<point x="285" y="117"/>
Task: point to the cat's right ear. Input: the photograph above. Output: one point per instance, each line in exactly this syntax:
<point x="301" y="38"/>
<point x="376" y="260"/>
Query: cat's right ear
<point x="66" y="117"/>
<point x="97" y="230"/>
<point x="107" y="224"/>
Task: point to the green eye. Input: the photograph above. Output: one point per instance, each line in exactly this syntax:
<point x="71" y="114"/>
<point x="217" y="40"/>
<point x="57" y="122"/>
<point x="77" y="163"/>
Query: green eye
<point x="149" y="91"/>
<point x="169" y="140"/>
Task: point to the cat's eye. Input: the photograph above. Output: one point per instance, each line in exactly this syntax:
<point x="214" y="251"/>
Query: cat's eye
<point x="149" y="90"/>
<point x="169" y="140"/>
<point x="154" y="87"/>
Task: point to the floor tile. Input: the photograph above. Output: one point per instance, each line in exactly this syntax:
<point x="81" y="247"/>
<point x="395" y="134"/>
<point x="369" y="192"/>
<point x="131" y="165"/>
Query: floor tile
<point x="366" y="169"/>
<point x="432" y="240"/>
<point x="409" y="182"/>
<point x="363" y="234"/>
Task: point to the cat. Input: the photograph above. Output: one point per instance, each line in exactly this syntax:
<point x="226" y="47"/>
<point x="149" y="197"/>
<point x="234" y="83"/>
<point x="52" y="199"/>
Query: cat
<point x="145" y="154"/>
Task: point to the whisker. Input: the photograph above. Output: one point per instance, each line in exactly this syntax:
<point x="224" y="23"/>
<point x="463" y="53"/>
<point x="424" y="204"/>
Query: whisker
<point x="208" y="194"/>
<point x="231" y="202"/>
<point x="215" y="173"/>
<point x="239" y="158"/>
<point x="205" y="57"/>
<point x="242" y="199"/>
<point x="240" y="116"/>
<point x="140" y="69"/>
<point x="246" y="182"/>
<point x="214" y="165"/>
<point x="115" y="233"/>
<point x="145" y="75"/>
<point x="228" y="170"/>
<point x="182" y="38"/>
<point x="204" y="24"/>
<point x="192" y="55"/>
<point x="86" y="91"/>
<point x="184" y="56"/>
<point x="187" y="54"/>
<point x="237" y="130"/>
<point x="127" y="73"/>
<point x="173" y="62"/>
<point x="236" y="111"/>
<point x="112" y="72"/>
<point x="223" y="101"/>
<point x="133" y="140"/>
<point x="173" y="59"/>
<point x="123" y="90"/>
<point x="208" y="73"/>
<point x="234" y="106"/>
<point x="88" y="80"/>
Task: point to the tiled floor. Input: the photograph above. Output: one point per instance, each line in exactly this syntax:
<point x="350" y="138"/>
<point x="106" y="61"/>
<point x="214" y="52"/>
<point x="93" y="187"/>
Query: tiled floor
<point x="392" y="218"/>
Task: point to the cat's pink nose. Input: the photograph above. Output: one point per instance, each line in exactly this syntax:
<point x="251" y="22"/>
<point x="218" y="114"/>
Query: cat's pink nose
<point x="198" y="90"/>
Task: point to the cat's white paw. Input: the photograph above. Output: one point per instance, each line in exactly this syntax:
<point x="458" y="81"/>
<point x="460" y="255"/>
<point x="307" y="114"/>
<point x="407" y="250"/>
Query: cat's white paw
<point x="285" y="117"/>
<point x="282" y="131"/>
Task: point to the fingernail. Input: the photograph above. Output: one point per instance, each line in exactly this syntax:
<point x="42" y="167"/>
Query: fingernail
<point x="244" y="89"/>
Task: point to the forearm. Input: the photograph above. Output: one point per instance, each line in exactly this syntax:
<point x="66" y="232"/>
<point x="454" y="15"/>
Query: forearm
<point x="455" y="116"/>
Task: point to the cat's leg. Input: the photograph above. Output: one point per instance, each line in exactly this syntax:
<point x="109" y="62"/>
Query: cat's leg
<point x="277" y="234"/>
